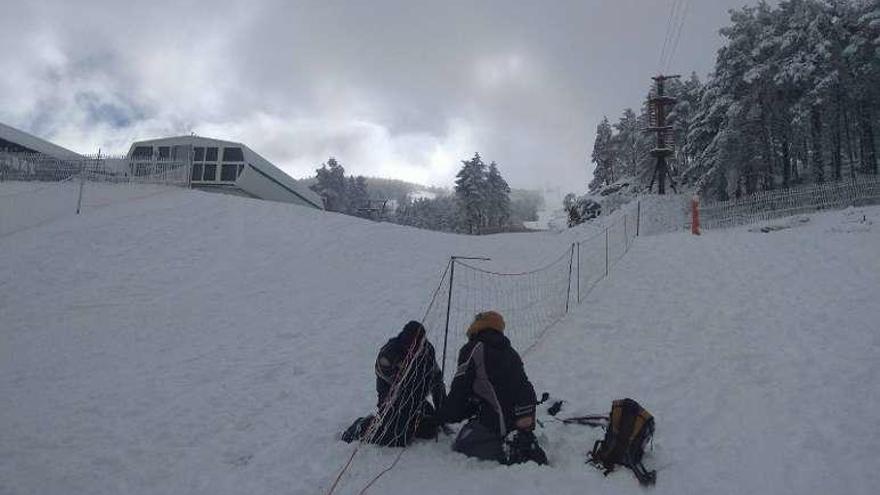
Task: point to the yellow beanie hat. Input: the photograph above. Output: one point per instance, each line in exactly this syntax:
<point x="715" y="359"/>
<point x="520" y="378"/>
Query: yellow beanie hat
<point x="484" y="321"/>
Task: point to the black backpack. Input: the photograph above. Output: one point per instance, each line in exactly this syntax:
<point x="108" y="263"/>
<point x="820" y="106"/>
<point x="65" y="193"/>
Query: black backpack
<point x="630" y="428"/>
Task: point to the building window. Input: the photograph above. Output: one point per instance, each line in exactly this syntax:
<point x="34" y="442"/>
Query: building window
<point x="179" y="152"/>
<point x="142" y="153"/>
<point x="198" y="154"/>
<point x="233" y="155"/>
<point x="210" y="154"/>
<point x="227" y="173"/>
<point x="197" y="171"/>
<point x="210" y="171"/>
<point x="164" y="152"/>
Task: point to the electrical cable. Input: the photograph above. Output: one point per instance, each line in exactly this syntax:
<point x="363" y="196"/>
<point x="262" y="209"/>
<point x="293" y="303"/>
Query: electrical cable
<point x="681" y="22"/>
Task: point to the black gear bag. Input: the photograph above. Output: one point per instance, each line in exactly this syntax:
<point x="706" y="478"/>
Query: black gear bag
<point x="630" y="428"/>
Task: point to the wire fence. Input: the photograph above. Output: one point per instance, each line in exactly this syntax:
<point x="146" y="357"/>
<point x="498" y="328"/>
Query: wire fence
<point x="767" y="205"/>
<point x="596" y="255"/>
<point x="530" y="301"/>
<point x="36" y="189"/>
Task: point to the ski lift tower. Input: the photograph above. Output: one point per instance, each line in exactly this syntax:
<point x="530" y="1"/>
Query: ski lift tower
<point x="659" y="104"/>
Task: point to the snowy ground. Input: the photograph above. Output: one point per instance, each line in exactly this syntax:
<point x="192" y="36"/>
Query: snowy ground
<point x="199" y="343"/>
<point x="24" y="205"/>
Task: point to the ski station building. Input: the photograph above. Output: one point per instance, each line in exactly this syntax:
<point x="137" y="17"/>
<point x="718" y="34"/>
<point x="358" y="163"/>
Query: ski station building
<point x="222" y="166"/>
<point x="13" y="140"/>
<point x="194" y="161"/>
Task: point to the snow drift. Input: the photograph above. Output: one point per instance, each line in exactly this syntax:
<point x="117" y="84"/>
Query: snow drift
<point x="199" y="343"/>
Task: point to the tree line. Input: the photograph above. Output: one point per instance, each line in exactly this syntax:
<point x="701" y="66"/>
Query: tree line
<point x="793" y="99"/>
<point x="480" y="202"/>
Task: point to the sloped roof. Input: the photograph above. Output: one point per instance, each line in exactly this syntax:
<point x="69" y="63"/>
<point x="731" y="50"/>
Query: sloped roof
<point x="34" y="143"/>
<point x="191" y="139"/>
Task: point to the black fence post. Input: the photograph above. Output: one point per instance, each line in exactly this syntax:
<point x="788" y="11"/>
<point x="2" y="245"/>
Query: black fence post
<point x="448" y="309"/>
<point x="638" y="215"/>
<point x="82" y="183"/>
<point x="606" y="252"/>
<point x="579" y="272"/>
<point x="568" y="292"/>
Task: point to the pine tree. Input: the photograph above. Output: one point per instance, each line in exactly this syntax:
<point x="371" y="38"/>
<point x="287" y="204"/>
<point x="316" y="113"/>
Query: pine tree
<point x="357" y="195"/>
<point x="863" y="57"/>
<point x="470" y="190"/>
<point x="682" y="117"/>
<point x="603" y="156"/>
<point x="632" y="146"/>
<point x="497" y="197"/>
<point x="331" y="186"/>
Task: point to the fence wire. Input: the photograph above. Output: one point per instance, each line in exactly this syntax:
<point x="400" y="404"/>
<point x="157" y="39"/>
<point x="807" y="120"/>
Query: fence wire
<point x="767" y="205"/>
<point x="530" y="302"/>
<point x="36" y="188"/>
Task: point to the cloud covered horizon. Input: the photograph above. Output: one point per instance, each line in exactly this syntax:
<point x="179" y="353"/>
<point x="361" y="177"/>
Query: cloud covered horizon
<point x="402" y="89"/>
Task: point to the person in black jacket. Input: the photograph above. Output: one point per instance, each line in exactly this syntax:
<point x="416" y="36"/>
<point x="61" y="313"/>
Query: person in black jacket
<point x="491" y="389"/>
<point x="403" y="411"/>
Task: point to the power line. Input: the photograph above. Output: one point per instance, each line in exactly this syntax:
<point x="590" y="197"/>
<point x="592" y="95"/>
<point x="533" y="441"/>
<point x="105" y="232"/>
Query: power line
<point x="681" y="21"/>
<point x="668" y="35"/>
<point x="665" y="37"/>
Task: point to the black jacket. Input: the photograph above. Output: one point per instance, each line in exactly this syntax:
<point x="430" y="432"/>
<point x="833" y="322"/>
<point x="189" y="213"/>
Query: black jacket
<point x="424" y="378"/>
<point x="406" y="414"/>
<point x="490" y="383"/>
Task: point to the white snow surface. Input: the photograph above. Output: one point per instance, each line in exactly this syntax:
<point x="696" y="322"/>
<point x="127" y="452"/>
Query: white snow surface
<point x="191" y="342"/>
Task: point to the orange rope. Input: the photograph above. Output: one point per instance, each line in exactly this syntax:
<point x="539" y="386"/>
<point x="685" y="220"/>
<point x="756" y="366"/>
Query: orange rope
<point x="343" y="470"/>
<point x="389" y="468"/>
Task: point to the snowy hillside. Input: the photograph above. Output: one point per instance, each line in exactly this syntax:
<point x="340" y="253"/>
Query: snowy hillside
<point x="201" y="343"/>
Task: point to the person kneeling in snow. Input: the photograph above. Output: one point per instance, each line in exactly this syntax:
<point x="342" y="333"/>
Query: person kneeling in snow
<point x="404" y="412"/>
<point x="491" y="389"/>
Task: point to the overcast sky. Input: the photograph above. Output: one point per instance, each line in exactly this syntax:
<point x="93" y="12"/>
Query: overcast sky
<point x="402" y="89"/>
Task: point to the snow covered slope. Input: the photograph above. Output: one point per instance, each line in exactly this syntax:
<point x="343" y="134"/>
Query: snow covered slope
<point x="200" y="343"/>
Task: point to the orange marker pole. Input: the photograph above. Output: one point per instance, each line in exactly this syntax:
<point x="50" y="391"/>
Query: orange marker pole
<point x="695" y="215"/>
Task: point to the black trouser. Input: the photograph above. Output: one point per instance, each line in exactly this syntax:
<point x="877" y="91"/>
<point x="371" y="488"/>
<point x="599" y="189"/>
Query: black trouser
<point x="476" y="440"/>
<point x="428" y="425"/>
<point x="397" y="429"/>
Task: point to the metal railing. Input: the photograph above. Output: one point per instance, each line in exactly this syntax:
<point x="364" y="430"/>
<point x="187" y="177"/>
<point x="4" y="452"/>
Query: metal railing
<point x="36" y="188"/>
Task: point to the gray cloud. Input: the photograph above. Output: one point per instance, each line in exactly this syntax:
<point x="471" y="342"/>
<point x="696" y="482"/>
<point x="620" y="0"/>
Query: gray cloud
<point x="403" y="89"/>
